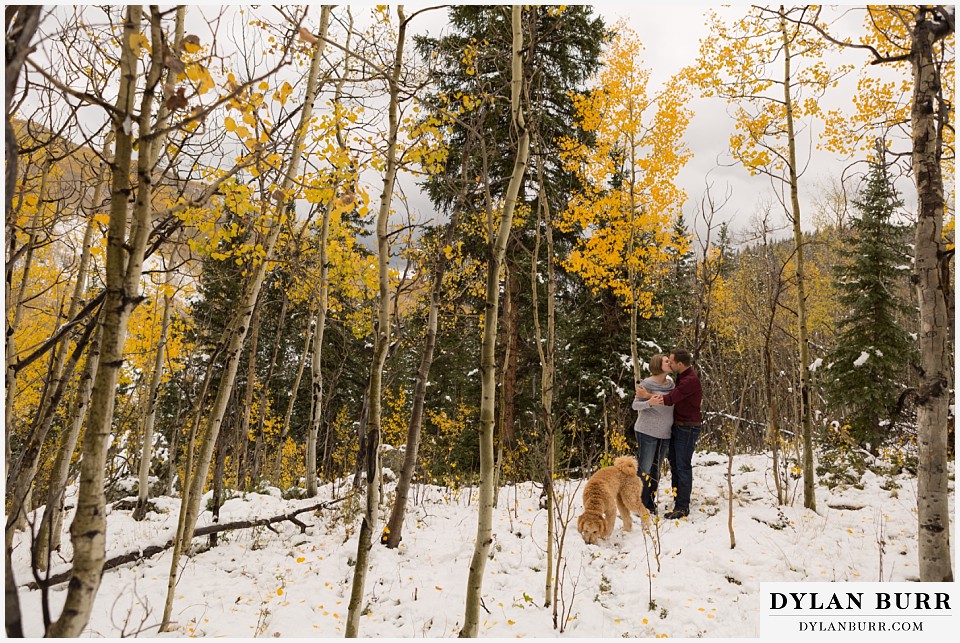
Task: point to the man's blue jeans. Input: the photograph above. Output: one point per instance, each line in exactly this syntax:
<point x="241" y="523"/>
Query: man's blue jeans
<point x="650" y="455"/>
<point x="680" y="455"/>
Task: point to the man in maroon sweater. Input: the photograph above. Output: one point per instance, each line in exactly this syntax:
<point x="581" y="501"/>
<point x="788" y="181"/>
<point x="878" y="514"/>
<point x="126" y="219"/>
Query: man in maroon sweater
<point x="685" y="399"/>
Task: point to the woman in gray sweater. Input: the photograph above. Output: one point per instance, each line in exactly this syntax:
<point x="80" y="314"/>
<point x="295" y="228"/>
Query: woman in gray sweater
<point x="653" y="427"/>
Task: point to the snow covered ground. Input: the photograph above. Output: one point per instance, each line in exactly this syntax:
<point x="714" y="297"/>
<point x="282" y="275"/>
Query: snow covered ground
<point x="292" y="584"/>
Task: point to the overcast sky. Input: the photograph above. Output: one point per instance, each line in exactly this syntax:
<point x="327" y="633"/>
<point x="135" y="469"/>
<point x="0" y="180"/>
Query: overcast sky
<point x="671" y="36"/>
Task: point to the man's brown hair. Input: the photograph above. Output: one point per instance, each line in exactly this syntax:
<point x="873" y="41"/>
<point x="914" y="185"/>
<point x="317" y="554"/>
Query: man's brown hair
<point x="681" y="355"/>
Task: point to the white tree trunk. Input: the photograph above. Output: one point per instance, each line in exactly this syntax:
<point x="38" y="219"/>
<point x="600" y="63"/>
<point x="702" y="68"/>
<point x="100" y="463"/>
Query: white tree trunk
<point x="316" y="375"/>
<point x="497" y="249"/>
<point x="48" y="536"/>
<point x="809" y="481"/>
<point x="548" y="369"/>
<point x="123" y="268"/>
<point x="146" y="449"/>
<point x="372" y="441"/>
<point x="933" y="282"/>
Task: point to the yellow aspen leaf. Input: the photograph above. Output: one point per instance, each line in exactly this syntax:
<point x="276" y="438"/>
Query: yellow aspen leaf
<point x="200" y="75"/>
<point x="206" y="82"/>
<point x="301" y="559"/>
<point x="191" y="44"/>
<point x="279" y="591"/>
<point x="283" y="93"/>
<point x="229" y="124"/>
<point x="139" y="42"/>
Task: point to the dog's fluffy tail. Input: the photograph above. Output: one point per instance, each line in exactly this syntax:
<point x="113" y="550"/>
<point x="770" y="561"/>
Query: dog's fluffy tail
<point x="627" y="464"/>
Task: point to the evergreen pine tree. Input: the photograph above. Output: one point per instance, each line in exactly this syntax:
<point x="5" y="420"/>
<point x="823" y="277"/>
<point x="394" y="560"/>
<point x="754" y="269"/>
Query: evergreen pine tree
<point x="563" y="53"/>
<point x="873" y="349"/>
<point x="676" y="292"/>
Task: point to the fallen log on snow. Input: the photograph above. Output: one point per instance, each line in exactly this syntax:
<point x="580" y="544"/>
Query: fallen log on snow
<point x="153" y="550"/>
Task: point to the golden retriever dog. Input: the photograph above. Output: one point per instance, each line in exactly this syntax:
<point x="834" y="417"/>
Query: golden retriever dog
<point x="607" y="490"/>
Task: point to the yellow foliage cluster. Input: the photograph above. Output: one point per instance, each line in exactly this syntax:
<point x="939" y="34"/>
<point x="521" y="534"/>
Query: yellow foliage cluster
<point x="881" y="102"/>
<point x="395" y="416"/>
<point x="254" y="126"/>
<point x="743" y="61"/>
<point x="627" y="228"/>
<point x="426" y="138"/>
<point x="206" y="230"/>
<point x="441" y="435"/>
<point x="464" y="279"/>
<point x="742" y="299"/>
<point x="352" y="272"/>
<point x="143" y="336"/>
<point x="617" y="444"/>
<point x="292" y="467"/>
<point x="48" y="286"/>
<point x="47" y="294"/>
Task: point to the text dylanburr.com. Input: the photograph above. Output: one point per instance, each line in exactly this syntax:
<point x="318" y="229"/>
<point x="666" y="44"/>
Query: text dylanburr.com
<point x="859" y="609"/>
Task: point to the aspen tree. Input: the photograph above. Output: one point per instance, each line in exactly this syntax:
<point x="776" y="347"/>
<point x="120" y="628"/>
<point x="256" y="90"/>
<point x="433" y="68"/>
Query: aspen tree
<point x="394" y="527"/>
<point x="809" y="489"/>
<point x="381" y="342"/>
<point x="48" y="535"/>
<point x="282" y="198"/>
<point x="58" y="379"/>
<point x="496" y="249"/>
<point x="123" y="268"/>
<point x="923" y="37"/>
<point x="243" y="429"/>
<point x="134" y="233"/>
<point x="929" y="116"/>
<point x="630" y="198"/>
<point x="150" y="407"/>
<point x="323" y="303"/>
<point x="772" y="73"/>
<point x="546" y="349"/>
<point x="150" y="402"/>
<point x="21" y="471"/>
